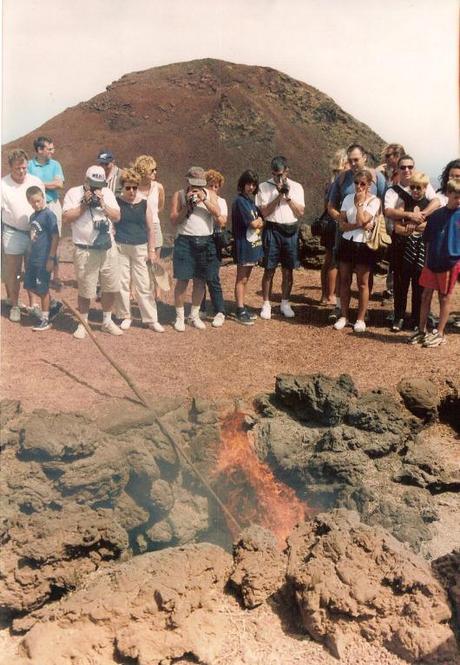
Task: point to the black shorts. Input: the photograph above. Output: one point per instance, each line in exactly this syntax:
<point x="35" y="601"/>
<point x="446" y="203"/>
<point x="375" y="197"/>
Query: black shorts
<point x="195" y="257"/>
<point x="356" y="253"/>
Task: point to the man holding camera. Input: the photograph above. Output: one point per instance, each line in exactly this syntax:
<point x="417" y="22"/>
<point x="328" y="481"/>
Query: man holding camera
<point x="281" y="202"/>
<point x="91" y="209"/>
<point x="193" y="211"/>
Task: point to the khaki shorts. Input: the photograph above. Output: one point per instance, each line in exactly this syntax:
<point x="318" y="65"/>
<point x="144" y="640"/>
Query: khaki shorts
<point x="96" y="265"/>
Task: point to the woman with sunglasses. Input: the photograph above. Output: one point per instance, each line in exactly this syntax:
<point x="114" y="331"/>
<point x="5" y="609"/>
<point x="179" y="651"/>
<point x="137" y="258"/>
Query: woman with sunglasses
<point x="151" y="190"/>
<point x="136" y="241"/>
<point x="357" y="216"/>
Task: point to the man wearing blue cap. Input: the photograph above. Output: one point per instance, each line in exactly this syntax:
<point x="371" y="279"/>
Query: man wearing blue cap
<point x="113" y="173"/>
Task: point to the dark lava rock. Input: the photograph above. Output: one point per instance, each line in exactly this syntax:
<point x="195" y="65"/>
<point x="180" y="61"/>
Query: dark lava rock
<point x="447" y="570"/>
<point x="316" y="397"/>
<point x="377" y="411"/>
<point x="47" y="436"/>
<point x="420" y="396"/>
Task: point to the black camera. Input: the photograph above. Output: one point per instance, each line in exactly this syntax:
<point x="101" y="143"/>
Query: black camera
<point x="103" y="226"/>
<point x="284" y="189"/>
<point x="95" y="201"/>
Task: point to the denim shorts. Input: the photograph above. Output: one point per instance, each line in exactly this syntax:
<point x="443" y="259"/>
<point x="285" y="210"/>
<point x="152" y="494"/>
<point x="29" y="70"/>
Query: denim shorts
<point x="14" y="241"/>
<point x="37" y="279"/>
<point x="195" y="257"/>
<point x="280" y="247"/>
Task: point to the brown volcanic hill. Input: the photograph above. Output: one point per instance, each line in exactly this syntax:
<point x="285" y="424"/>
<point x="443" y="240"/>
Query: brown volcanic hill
<point x="212" y="113"/>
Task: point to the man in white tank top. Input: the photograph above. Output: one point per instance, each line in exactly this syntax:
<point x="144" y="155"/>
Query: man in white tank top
<point x="192" y="213"/>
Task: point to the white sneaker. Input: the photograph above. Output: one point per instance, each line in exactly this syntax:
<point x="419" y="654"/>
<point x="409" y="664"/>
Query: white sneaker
<point x="218" y="320"/>
<point x="126" y="324"/>
<point x="15" y="314"/>
<point x="179" y="325"/>
<point x="157" y="327"/>
<point x="111" y="328"/>
<point x="266" y="312"/>
<point x="359" y="326"/>
<point x="80" y="332"/>
<point x="287" y="311"/>
<point x="340" y="323"/>
<point x="196" y="322"/>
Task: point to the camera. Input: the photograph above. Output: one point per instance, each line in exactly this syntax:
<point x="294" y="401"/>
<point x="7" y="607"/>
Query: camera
<point x="193" y="200"/>
<point x="284" y="189"/>
<point x="94" y="201"/>
<point x="103" y="226"/>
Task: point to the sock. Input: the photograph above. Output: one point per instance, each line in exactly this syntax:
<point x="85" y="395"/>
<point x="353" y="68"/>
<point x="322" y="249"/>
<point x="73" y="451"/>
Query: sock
<point x="195" y="311"/>
<point x="266" y="303"/>
<point x="106" y="318"/>
<point x="84" y="316"/>
<point x="284" y="302"/>
<point x="45" y="315"/>
<point x="180" y="315"/>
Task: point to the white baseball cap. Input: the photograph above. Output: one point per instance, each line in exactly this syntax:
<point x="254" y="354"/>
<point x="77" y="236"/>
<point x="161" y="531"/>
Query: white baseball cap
<point x="96" y="177"/>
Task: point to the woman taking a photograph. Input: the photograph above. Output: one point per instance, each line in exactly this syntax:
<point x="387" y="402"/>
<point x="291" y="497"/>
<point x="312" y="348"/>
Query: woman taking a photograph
<point x="136" y="241"/>
<point x="247" y="227"/>
<point x="357" y="216"/>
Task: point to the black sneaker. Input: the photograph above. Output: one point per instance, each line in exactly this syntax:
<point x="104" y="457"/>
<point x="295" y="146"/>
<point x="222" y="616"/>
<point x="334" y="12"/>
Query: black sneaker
<point x="55" y="309"/>
<point x="397" y="325"/>
<point x="245" y="318"/>
<point x="252" y="315"/>
<point x="44" y="324"/>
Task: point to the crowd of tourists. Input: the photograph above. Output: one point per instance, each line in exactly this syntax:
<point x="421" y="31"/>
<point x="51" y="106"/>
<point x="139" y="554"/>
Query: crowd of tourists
<point x="117" y="239"/>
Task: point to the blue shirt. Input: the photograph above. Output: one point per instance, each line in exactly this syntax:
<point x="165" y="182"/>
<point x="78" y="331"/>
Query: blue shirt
<point x="442" y="233"/>
<point x="47" y="172"/>
<point x="344" y="185"/>
<point x="245" y="211"/>
<point x="132" y="227"/>
<point x="43" y="226"/>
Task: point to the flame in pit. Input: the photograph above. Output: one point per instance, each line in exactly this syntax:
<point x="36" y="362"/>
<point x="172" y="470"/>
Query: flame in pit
<point x="248" y="487"/>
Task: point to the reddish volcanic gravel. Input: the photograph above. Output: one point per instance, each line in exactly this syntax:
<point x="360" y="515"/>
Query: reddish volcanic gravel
<point x="52" y="370"/>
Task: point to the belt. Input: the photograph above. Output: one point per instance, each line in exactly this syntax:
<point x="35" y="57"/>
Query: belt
<point x="8" y="226"/>
<point x="80" y="246"/>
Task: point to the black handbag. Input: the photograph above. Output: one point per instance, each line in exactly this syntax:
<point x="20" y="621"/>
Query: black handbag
<point x="223" y="238"/>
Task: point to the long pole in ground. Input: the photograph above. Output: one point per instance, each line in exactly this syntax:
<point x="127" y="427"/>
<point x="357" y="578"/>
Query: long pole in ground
<point x="144" y="401"/>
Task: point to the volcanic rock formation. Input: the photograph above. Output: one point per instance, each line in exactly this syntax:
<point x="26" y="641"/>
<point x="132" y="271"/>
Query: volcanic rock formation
<point x="213" y="113"/>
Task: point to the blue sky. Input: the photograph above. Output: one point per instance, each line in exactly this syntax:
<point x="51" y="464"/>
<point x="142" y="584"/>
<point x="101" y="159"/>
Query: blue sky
<point x="392" y="64"/>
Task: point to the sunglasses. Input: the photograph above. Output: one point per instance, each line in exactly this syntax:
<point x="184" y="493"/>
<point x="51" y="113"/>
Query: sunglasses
<point x="360" y="183"/>
<point x="403" y="167"/>
<point x="418" y="188"/>
<point x="154" y="170"/>
<point x="130" y="187"/>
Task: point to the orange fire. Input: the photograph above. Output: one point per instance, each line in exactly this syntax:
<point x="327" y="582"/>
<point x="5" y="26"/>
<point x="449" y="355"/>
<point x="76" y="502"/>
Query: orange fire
<point x="248" y="487"/>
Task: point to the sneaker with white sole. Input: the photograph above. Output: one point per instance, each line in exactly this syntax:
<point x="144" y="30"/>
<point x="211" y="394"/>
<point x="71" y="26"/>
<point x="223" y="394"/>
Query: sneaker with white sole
<point x="340" y="323"/>
<point x="287" y="311"/>
<point x="179" y="325"/>
<point x="196" y="322"/>
<point x="157" y="327"/>
<point x="15" y="314"/>
<point x="434" y="340"/>
<point x="80" y="332"/>
<point x="126" y="324"/>
<point x="111" y="328"/>
<point x="266" y="312"/>
<point x="417" y="338"/>
<point x="43" y="324"/>
<point x="359" y="327"/>
<point x="219" y="320"/>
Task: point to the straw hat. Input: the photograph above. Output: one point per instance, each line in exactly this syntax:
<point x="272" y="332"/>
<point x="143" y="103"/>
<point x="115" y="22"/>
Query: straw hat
<point x="159" y="275"/>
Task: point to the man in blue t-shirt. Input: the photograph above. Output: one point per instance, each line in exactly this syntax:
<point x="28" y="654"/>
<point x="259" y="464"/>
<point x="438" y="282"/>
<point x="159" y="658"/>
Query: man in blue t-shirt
<point x="44" y="237"/>
<point x="50" y="173"/>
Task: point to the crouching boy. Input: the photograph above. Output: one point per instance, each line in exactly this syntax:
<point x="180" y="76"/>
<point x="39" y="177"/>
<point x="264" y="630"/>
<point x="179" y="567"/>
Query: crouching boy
<point x="44" y="235"/>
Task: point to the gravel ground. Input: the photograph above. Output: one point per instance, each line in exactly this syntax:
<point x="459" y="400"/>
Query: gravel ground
<point x="52" y="370"/>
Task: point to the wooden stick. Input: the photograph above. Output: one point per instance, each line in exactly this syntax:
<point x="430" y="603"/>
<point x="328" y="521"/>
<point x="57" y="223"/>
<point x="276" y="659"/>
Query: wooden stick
<point x="163" y="427"/>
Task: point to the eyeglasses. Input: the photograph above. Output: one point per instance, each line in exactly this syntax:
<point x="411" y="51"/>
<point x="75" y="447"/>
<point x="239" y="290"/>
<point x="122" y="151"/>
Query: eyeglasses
<point x="403" y="167"/>
<point x="360" y="183"/>
<point x="130" y="187"/>
<point x="416" y="187"/>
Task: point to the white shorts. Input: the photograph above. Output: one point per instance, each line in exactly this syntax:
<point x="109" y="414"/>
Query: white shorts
<point x="15" y="241"/>
<point x="93" y="265"/>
